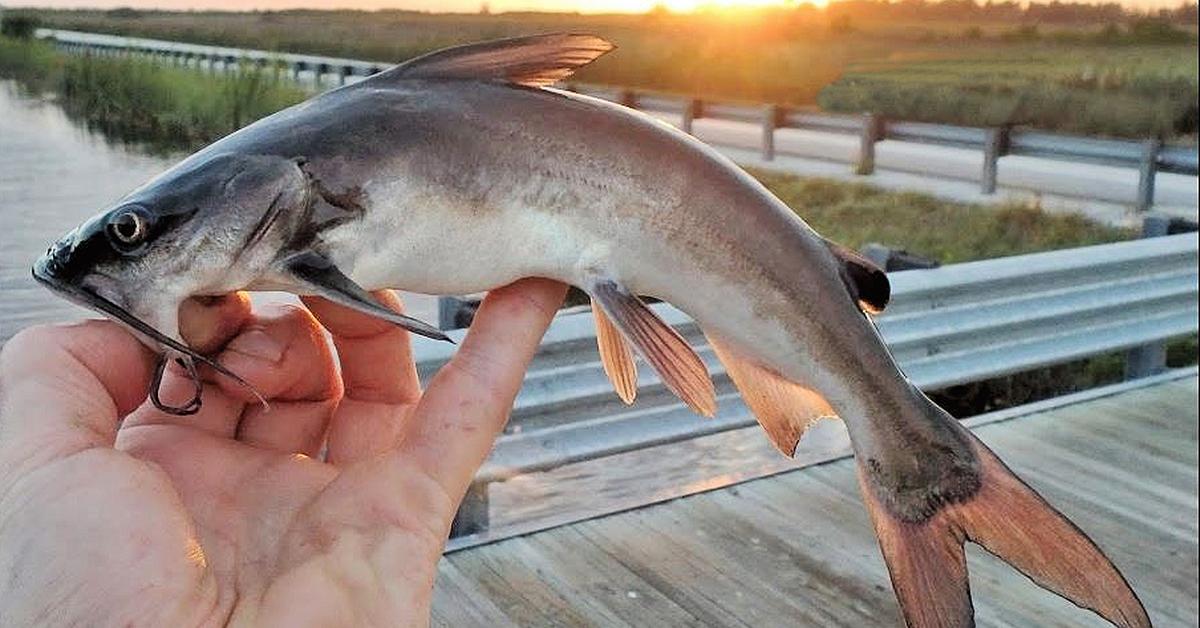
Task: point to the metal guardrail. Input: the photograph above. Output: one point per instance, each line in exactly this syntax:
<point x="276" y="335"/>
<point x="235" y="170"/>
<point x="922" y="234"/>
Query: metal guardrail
<point x="946" y="326"/>
<point x="1149" y="156"/>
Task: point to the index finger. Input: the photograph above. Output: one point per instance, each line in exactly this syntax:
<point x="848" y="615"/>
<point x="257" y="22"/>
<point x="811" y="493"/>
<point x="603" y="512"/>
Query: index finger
<point x="64" y="388"/>
<point x="469" y="400"/>
<point x="375" y="355"/>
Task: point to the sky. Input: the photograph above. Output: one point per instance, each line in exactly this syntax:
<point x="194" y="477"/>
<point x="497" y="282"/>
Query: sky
<point x="469" y="6"/>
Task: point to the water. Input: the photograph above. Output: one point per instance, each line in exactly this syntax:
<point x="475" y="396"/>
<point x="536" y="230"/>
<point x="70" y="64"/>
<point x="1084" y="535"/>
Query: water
<point x="53" y="175"/>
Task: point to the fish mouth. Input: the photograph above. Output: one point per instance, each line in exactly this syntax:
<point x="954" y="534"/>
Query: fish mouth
<point x="47" y="271"/>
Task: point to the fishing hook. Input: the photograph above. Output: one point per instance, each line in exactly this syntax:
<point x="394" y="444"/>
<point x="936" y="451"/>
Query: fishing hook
<point x="189" y="408"/>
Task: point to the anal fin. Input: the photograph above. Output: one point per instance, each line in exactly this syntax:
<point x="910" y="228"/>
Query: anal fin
<point x="616" y="356"/>
<point x="682" y="371"/>
<point x="783" y="408"/>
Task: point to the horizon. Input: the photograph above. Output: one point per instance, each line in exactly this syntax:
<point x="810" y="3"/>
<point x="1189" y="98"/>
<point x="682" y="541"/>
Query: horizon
<point x="588" y="7"/>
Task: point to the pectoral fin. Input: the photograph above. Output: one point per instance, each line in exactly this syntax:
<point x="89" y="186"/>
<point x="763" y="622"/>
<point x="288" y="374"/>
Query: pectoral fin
<point x="320" y="275"/>
<point x="680" y="368"/>
<point x="784" y="408"/>
<point x="616" y="356"/>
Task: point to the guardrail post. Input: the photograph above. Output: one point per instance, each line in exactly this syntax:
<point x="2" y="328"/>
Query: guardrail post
<point x="343" y="72"/>
<point x="1146" y="173"/>
<point x="872" y="132"/>
<point x="472" y="515"/>
<point x="877" y="253"/>
<point x="1150" y="359"/>
<point x="995" y="146"/>
<point x="691" y="111"/>
<point x="769" y="122"/>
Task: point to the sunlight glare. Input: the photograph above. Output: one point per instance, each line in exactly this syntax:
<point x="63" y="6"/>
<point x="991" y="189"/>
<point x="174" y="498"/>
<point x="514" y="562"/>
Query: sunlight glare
<point x="687" y="6"/>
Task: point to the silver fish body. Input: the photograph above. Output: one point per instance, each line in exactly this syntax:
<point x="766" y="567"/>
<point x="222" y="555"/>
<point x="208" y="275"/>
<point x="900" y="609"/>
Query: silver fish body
<point x="460" y="171"/>
<point x="469" y="186"/>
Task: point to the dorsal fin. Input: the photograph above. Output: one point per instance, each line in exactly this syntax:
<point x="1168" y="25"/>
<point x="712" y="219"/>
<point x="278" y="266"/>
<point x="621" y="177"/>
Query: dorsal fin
<point x="533" y="61"/>
<point x="867" y="283"/>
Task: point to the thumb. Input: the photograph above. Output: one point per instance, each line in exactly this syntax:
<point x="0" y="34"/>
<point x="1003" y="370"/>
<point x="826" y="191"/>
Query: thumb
<point x="64" y="388"/>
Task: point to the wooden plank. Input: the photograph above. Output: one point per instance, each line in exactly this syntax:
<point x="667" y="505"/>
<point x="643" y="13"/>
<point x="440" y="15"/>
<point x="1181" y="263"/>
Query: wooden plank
<point x="459" y="601"/>
<point x="797" y="548"/>
<point x="620" y="590"/>
<point x="515" y="587"/>
<point x="664" y="562"/>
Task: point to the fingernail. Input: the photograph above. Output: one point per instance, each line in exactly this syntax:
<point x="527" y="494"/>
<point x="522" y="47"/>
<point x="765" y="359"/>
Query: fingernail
<point x="257" y="344"/>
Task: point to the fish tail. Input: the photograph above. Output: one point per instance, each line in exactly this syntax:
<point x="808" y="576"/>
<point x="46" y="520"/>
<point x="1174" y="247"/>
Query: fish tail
<point x="963" y="492"/>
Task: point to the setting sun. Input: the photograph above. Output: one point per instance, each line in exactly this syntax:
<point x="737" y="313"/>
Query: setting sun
<point x="674" y="6"/>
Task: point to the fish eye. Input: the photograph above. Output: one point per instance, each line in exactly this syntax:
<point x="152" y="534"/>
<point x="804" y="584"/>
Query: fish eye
<point x="129" y="227"/>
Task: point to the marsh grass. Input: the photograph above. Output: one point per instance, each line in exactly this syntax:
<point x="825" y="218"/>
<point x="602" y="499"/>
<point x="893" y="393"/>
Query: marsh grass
<point x="949" y="232"/>
<point x="136" y="100"/>
<point x="976" y="73"/>
<point x="35" y="64"/>
<point x="1129" y="91"/>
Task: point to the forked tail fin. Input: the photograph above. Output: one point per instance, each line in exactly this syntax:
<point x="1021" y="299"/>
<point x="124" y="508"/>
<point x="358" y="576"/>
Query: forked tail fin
<point x="1005" y="516"/>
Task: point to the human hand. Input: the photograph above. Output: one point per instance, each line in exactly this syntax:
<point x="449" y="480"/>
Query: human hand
<point x="228" y="516"/>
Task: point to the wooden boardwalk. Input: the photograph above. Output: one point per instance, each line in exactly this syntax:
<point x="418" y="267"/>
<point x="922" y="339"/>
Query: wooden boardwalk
<point x="797" y="548"/>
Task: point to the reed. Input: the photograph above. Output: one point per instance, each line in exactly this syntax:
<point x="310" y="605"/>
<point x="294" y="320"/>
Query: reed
<point x="1120" y="78"/>
<point x="856" y="214"/>
<point x="140" y="101"/>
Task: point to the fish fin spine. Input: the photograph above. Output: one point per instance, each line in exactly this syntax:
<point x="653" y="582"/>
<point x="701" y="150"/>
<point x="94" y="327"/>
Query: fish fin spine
<point x="784" y="409"/>
<point x="682" y="371"/>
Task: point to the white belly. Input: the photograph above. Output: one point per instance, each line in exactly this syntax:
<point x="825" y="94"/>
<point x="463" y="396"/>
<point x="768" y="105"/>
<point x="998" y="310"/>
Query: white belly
<point x="447" y="250"/>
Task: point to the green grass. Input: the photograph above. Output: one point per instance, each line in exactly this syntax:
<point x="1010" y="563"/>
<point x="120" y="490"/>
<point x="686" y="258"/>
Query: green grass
<point x="140" y="101"/>
<point x="1089" y="78"/>
<point x="946" y="231"/>
<point x="36" y="65"/>
<point x="1129" y="91"/>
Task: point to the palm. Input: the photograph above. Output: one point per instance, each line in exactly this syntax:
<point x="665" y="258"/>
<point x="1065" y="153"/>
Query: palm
<point x="236" y="519"/>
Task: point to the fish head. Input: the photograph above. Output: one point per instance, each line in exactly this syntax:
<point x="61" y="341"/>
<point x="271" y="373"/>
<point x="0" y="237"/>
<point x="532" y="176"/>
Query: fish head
<point x="209" y="226"/>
